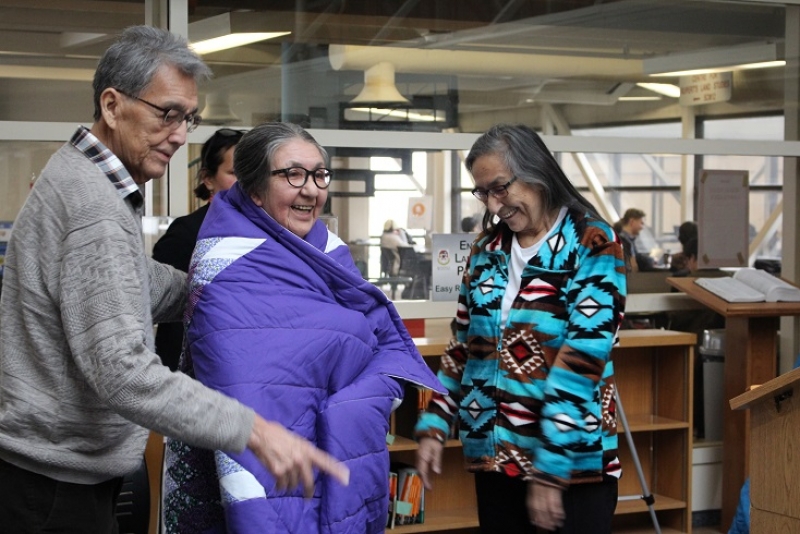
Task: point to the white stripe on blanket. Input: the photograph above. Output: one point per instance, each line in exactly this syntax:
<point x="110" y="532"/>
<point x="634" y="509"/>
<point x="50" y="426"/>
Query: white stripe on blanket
<point x="333" y="242"/>
<point x="232" y="248"/>
<point x="236" y="483"/>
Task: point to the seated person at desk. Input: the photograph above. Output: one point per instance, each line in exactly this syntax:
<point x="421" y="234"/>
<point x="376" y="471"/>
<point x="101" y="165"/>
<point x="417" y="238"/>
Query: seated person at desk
<point x="695" y="321"/>
<point x="280" y="318"/>
<point x="679" y="263"/>
<point x="628" y="228"/>
<point x="392" y="239"/>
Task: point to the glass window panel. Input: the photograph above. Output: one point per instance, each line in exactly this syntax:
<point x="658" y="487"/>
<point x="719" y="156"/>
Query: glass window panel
<point x="466" y="66"/>
<point x="46" y="66"/>
<point x="20" y="163"/>
<point x="48" y="54"/>
<point x="671" y="129"/>
<point x="760" y="128"/>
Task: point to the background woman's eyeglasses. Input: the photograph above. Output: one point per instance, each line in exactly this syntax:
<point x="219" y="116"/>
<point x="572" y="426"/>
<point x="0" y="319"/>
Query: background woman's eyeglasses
<point x="229" y="132"/>
<point x="172" y="117"/>
<point x="298" y="176"/>
<point x="498" y="191"/>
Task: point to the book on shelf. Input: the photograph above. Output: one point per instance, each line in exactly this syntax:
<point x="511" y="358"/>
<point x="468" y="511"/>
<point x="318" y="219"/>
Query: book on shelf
<point x="751" y="285"/>
<point x="408" y="504"/>
<point x="392" y="499"/>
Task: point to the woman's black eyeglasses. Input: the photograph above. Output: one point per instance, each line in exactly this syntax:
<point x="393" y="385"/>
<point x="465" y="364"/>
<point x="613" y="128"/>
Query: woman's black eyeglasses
<point x="498" y="191"/>
<point x="172" y="117"/>
<point x="298" y="176"/>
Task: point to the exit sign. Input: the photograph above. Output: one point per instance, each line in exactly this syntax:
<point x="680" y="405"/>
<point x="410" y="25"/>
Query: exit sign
<point x="699" y="89"/>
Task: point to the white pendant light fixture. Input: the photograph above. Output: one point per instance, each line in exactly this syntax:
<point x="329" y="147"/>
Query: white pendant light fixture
<point x="218" y="110"/>
<point x="379" y="86"/>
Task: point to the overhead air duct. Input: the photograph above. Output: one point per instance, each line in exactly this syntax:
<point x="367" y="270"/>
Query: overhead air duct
<point x="467" y="62"/>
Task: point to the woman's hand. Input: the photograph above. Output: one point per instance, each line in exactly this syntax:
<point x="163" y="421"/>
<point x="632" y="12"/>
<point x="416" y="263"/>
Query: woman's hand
<point x="545" y="507"/>
<point x="429" y="458"/>
<point x="290" y="458"/>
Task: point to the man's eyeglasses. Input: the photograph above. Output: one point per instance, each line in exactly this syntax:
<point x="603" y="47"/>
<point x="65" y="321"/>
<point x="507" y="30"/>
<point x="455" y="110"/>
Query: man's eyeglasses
<point x="498" y="191"/>
<point x="172" y="117"/>
<point x="298" y="176"/>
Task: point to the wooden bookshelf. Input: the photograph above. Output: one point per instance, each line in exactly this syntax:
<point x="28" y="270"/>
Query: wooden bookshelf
<point x="654" y="376"/>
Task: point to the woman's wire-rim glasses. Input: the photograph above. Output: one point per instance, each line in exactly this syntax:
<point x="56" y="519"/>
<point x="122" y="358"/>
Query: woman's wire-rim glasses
<point x="298" y="176"/>
<point x="172" y="117"/>
<point x="498" y="191"/>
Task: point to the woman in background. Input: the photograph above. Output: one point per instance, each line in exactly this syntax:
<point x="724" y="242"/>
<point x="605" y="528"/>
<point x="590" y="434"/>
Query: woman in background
<point x="392" y="239"/>
<point x="529" y="373"/>
<point x="176" y="245"/>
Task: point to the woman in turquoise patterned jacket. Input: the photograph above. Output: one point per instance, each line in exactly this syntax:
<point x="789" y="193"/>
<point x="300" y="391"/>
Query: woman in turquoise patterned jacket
<point x="529" y="372"/>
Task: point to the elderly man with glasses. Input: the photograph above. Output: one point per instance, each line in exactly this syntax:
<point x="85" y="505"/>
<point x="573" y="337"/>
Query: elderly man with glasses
<point x="80" y="383"/>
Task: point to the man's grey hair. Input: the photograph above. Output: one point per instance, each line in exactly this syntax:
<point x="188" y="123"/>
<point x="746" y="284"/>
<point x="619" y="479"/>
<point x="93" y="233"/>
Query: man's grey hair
<point x="130" y="64"/>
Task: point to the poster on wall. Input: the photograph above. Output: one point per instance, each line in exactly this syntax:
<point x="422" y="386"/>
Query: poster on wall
<point x="449" y="255"/>
<point x="723" y="219"/>
<point x="420" y="212"/>
<point x="5" y="236"/>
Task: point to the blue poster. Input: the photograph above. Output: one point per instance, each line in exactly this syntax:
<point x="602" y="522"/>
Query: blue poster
<point x="5" y="235"/>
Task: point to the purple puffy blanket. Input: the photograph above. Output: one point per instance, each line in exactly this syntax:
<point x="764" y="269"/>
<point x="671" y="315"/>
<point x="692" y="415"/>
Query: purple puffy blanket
<point x="289" y="327"/>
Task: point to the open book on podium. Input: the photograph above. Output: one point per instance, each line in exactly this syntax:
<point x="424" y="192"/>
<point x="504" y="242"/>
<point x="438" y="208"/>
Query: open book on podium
<point x="751" y="285"/>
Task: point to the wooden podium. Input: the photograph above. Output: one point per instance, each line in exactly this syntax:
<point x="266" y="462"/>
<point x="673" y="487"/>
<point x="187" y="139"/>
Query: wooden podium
<point x="774" y="434"/>
<point x="751" y="357"/>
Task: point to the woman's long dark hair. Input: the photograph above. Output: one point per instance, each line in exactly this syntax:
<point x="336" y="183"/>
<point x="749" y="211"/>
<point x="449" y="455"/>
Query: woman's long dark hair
<point x="529" y="159"/>
<point x="212" y="155"/>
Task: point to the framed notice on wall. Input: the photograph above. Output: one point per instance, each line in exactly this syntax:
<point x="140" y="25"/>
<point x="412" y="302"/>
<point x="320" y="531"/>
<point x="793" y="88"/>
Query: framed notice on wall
<point x="723" y="219"/>
<point x="449" y="259"/>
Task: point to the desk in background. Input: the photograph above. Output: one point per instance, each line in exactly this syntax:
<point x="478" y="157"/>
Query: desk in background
<point x="751" y="357"/>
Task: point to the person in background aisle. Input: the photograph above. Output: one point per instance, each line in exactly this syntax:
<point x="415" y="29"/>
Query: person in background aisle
<point x="80" y="383"/>
<point x="176" y="245"/>
<point x="469" y="224"/>
<point x="281" y="319"/>
<point x="393" y="238"/>
<point x="529" y="373"/>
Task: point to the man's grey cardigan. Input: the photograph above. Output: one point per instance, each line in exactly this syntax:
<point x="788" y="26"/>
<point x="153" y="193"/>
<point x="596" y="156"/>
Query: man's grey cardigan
<point x="79" y="379"/>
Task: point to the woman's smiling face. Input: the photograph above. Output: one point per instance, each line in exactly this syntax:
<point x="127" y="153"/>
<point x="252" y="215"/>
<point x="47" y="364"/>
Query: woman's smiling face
<point x="295" y="208"/>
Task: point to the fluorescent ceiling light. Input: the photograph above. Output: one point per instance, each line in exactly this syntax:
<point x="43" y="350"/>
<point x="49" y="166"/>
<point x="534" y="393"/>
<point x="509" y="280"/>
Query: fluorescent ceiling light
<point x="399" y="113"/>
<point x="639" y="98"/>
<point x="229" y="30"/>
<point x="666" y="89"/>
<point x="232" y="41"/>
<point x="750" y="56"/>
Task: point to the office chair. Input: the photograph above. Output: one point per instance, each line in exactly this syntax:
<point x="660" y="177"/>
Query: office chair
<point x="387" y="260"/>
<point x="410" y="266"/>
